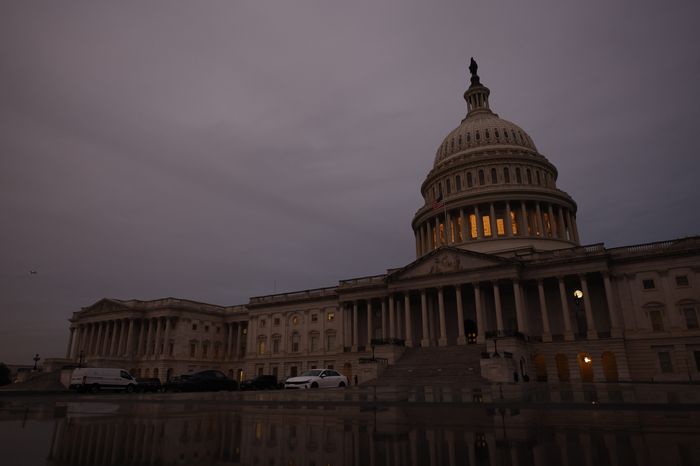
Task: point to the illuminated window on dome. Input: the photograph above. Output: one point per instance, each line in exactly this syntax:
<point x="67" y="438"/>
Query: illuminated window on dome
<point x="486" y="221"/>
<point x="500" y="227"/>
<point x="452" y="229"/>
<point x="514" y="222"/>
<point x="547" y="224"/>
<point x="442" y="233"/>
<point x="459" y="229"/>
<point x="472" y="226"/>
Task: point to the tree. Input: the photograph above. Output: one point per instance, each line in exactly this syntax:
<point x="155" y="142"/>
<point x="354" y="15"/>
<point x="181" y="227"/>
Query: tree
<point x="4" y="374"/>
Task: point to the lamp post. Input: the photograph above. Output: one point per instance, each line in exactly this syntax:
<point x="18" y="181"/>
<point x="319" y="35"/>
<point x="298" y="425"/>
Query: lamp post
<point x="578" y="300"/>
<point x="36" y="359"/>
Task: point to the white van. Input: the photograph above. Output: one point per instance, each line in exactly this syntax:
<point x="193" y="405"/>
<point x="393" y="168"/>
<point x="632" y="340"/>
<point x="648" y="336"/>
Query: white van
<point x="98" y="378"/>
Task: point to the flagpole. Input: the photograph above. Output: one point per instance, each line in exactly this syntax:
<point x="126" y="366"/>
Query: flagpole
<point x="447" y="237"/>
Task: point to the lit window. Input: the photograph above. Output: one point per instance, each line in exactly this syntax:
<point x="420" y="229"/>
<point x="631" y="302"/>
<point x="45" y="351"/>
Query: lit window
<point x="513" y="222"/>
<point x="648" y="284"/>
<point x="665" y="362"/>
<point x="547" y="224"/>
<point x="330" y="316"/>
<point x="487" y="225"/>
<point x="656" y="319"/>
<point x="261" y="346"/>
<point x="442" y="233"/>
<point x="500" y="227"/>
<point x="459" y="229"/>
<point x="472" y="226"/>
<point x="295" y="320"/>
<point x="682" y="280"/>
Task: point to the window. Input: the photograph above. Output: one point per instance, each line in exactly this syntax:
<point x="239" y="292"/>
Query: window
<point x="206" y="328"/>
<point x="477" y="137"/>
<point x="691" y="317"/>
<point x="665" y="363"/>
<point x="656" y="319"/>
<point x="205" y="350"/>
<point x="529" y="176"/>
<point x="696" y="355"/>
<point x="295" y="320"/>
<point x="276" y="321"/>
<point x="648" y="284"/>
<point x="518" y="178"/>
<point x="488" y="136"/>
<point x="194" y="326"/>
<point x="494" y="176"/>
<point x="506" y="175"/>
<point x="682" y="280"/>
<point x="313" y="342"/>
<point x="314" y="317"/>
<point x="538" y="178"/>
<point x="500" y="227"/>
<point x="295" y="342"/>
<point x="448" y="185"/>
<point x="486" y="221"/>
<point x="472" y="226"/>
<point x="261" y="346"/>
<point x="513" y="222"/>
<point x="330" y="316"/>
<point x="261" y="323"/>
<point x="458" y="183"/>
<point x="193" y="349"/>
<point x="330" y="341"/>
<point x="276" y="345"/>
<point x="218" y="329"/>
<point x="469" y="180"/>
<point x="481" y="177"/>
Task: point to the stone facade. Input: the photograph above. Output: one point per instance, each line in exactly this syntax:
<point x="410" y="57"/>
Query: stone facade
<point x="499" y="265"/>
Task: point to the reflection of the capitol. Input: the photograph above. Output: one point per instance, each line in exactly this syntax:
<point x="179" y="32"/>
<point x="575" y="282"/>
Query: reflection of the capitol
<point x="94" y="434"/>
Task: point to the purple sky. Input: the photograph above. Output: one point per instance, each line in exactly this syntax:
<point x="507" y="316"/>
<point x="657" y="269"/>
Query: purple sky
<point x="217" y="150"/>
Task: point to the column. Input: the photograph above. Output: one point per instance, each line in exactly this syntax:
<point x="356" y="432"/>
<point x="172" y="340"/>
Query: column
<point x="492" y="220"/>
<point x="479" y="225"/>
<point x="384" y="332"/>
<point x="69" y="351"/>
<point x="417" y="235"/>
<point x="122" y="336"/>
<point x="540" y="227"/>
<point x="354" y="326"/>
<point x="463" y="225"/>
<point x="130" y="339"/>
<point x="519" y="307"/>
<point x="392" y="324"/>
<point x="575" y="228"/>
<point x="523" y="219"/>
<point x="239" y="338"/>
<point x="568" y="334"/>
<point x="480" y="327"/>
<point x="398" y="314"/>
<point x="441" y="314"/>
<point x="98" y="343"/>
<point x="141" y="337"/>
<point x="229" y="340"/>
<point x="615" y="330"/>
<point x="591" y="333"/>
<point x="149" y="331"/>
<point x="561" y="227"/>
<point x="425" y="339"/>
<point x="499" y="310"/>
<point x="546" y="334"/>
<point x="555" y="232"/>
<point x="438" y="239"/>
<point x="76" y="343"/>
<point x="407" y="319"/>
<point x="461" y="338"/>
<point x="113" y="339"/>
<point x="156" y="348"/>
<point x="509" y="225"/>
<point x="166" y="337"/>
<point x="370" y="333"/>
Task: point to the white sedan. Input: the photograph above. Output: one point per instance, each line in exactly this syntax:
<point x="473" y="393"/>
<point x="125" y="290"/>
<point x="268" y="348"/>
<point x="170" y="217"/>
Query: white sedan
<point x="317" y="378"/>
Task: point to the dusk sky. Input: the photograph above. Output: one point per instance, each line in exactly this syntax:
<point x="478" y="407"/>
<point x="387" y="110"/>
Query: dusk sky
<point x="218" y="150"/>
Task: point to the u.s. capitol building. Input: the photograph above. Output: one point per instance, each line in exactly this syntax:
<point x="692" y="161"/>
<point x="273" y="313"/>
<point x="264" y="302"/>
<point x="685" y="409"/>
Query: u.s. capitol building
<point x="499" y="270"/>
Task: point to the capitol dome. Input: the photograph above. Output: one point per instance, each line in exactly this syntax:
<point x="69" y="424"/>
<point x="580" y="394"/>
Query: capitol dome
<point x="490" y="190"/>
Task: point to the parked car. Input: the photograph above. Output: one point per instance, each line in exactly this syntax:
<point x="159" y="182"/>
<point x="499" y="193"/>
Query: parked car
<point x="95" y="379"/>
<point x="148" y="384"/>
<point x="261" y="382"/>
<point x="209" y="380"/>
<point x="317" y="378"/>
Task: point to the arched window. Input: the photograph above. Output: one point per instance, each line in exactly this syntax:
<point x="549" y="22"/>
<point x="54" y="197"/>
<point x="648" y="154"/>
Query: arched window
<point x="314" y="341"/>
<point x="529" y="176"/>
<point x="276" y="343"/>
<point x="506" y="175"/>
<point x="540" y="368"/>
<point x="610" y="367"/>
<point x="262" y="342"/>
<point x="494" y="176"/>
<point x="518" y="178"/>
<point x="488" y="136"/>
<point x="458" y="183"/>
<point x="448" y="185"/>
<point x="585" y="364"/>
<point x="330" y="340"/>
<point x="477" y="137"/>
<point x="538" y="178"/>
<point x="469" y="180"/>
<point x="296" y="342"/>
<point x="481" y="178"/>
<point x="689" y="310"/>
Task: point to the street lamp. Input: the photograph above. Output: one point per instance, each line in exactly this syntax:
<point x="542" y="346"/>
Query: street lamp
<point x="36" y="359"/>
<point x="578" y="300"/>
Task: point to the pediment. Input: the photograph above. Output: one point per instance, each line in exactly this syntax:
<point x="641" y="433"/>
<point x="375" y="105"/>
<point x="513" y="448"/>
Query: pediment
<point x="448" y="260"/>
<point x="105" y="305"/>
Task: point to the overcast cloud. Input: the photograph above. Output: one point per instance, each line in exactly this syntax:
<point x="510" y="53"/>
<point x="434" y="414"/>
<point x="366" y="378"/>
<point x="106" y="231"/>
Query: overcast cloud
<point x="217" y="150"/>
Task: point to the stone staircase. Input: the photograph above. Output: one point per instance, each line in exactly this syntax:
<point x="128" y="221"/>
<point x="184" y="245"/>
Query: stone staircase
<point x="437" y="365"/>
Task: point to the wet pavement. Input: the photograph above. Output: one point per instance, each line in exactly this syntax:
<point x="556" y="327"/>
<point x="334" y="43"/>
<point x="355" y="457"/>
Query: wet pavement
<point x="616" y="425"/>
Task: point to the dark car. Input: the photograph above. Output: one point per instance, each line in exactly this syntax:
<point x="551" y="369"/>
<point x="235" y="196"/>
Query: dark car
<point x="261" y="382"/>
<point x="148" y="384"/>
<point x="210" y="380"/>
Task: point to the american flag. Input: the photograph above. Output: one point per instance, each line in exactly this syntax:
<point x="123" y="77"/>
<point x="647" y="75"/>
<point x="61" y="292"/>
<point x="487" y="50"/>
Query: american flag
<point x="438" y="202"/>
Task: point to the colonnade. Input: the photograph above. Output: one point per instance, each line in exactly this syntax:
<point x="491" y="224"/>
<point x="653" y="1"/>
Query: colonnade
<point x="235" y="335"/>
<point x="420" y="317"/>
<point x="127" y="337"/>
<point x="507" y="219"/>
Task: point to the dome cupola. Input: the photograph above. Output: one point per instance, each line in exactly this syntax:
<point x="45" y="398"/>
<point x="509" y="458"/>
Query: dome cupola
<point x="490" y="190"/>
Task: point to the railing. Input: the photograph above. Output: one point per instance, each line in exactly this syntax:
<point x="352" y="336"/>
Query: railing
<point x="371" y="280"/>
<point x="294" y="296"/>
<point x="388" y="341"/>
<point x="383" y="361"/>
